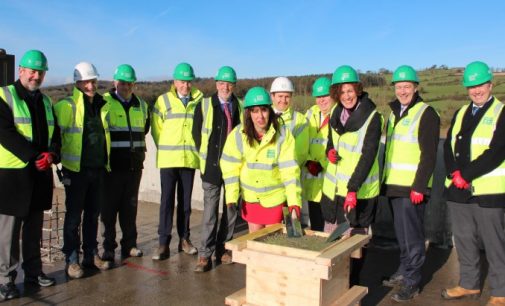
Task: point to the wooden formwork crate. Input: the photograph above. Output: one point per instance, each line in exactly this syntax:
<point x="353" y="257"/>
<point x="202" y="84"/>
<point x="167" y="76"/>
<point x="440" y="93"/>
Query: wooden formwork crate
<point x="279" y="275"/>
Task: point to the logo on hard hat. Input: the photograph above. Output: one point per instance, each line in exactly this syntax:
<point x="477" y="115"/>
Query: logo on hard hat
<point x="472" y="77"/>
<point x="320" y="88"/>
<point x="226" y="75"/>
<point x="402" y="75"/>
<point x="185" y="73"/>
<point x="259" y="98"/>
<point x="345" y="75"/>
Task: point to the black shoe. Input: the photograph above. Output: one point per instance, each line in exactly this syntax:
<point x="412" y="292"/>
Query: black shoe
<point x="9" y="291"/>
<point x="41" y="280"/>
<point x="393" y="280"/>
<point x="405" y="293"/>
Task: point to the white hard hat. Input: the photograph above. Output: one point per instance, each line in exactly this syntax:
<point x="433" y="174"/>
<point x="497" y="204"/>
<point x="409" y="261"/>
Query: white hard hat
<point x="282" y="84"/>
<point x="85" y="71"/>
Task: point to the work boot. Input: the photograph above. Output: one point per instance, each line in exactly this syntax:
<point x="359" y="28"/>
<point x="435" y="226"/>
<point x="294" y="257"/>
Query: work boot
<point x="41" y="280"/>
<point x="204" y="264"/>
<point x="161" y="253"/>
<point x="186" y="246"/>
<point x="496" y="301"/>
<point x="460" y="292"/>
<point x="405" y="293"/>
<point x="393" y="281"/>
<point x="108" y="255"/>
<point x="226" y="258"/>
<point x="134" y="252"/>
<point x="9" y="291"/>
<point x="97" y="263"/>
<point x="74" y="270"/>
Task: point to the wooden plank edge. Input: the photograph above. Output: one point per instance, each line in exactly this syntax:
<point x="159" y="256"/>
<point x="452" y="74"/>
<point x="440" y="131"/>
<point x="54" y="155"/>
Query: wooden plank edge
<point x="237" y="298"/>
<point x="346" y="247"/>
<point x="240" y="243"/>
<point x="353" y="296"/>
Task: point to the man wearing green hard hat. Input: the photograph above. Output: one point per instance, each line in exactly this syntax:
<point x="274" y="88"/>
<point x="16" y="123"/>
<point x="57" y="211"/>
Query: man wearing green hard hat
<point x="177" y="157"/>
<point x="28" y="143"/>
<point x="474" y="153"/>
<point x="317" y="117"/>
<point x="413" y="130"/>
<point x="215" y="117"/>
<point x="128" y="124"/>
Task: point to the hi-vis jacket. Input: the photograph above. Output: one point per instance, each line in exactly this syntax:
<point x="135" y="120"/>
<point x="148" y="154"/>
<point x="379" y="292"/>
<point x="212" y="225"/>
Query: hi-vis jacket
<point x="23" y="124"/>
<point x="492" y="182"/>
<point x="128" y="126"/>
<point x="70" y="115"/>
<point x="171" y="126"/>
<point x="408" y="161"/>
<point x="312" y="185"/>
<point x="357" y="143"/>
<point x="296" y="123"/>
<point x="265" y="172"/>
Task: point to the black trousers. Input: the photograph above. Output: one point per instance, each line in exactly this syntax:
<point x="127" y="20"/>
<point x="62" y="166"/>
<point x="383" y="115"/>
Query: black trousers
<point x="121" y="200"/>
<point x="409" y="229"/>
<point x="316" y="216"/>
<point x="172" y="179"/>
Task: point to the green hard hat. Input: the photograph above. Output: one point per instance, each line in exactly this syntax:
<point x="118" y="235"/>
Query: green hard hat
<point x="476" y="73"/>
<point x="405" y="73"/>
<point x="344" y="74"/>
<point x="184" y="72"/>
<point x="226" y="74"/>
<point x="125" y="73"/>
<point x="257" y="96"/>
<point x="34" y="59"/>
<point x="321" y="87"/>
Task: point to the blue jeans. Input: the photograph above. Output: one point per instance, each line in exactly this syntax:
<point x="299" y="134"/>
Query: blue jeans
<point x="85" y="193"/>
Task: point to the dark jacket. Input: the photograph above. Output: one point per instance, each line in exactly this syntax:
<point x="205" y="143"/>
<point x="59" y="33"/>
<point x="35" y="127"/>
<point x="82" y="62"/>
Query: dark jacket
<point x="428" y="137"/>
<point x="22" y="190"/>
<point x="485" y="163"/>
<point x="217" y="138"/>
<point x="371" y="141"/>
<point x="126" y="159"/>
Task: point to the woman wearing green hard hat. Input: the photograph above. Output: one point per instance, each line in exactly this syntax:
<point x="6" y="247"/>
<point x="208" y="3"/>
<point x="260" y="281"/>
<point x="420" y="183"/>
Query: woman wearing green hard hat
<point x="318" y="117"/>
<point x="258" y="164"/>
<point x="351" y="182"/>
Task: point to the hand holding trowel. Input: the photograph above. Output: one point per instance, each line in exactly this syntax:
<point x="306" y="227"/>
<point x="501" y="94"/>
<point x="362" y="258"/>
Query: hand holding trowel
<point x="293" y="225"/>
<point x="350" y="203"/>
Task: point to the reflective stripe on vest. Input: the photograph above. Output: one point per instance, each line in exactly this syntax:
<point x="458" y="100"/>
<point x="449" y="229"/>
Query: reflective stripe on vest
<point x="492" y="182"/>
<point x="23" y="124"/>
<point x="207" y="116"/>
<point x="403" y="153"/>
<point x="349" y="146"/>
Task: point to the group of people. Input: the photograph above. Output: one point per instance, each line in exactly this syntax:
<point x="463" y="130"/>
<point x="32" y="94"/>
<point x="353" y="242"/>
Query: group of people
<point x="265" y="156"/>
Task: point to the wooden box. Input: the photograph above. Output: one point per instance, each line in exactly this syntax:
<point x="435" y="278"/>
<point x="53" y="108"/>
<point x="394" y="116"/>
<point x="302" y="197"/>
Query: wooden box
<point x="278" y="275"/>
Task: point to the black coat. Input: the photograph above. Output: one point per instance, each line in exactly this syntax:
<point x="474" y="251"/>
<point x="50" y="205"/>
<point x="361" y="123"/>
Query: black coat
<point x="428" y="137"/>
<point x="485" y="163"/>
<point x="22" y="190"/>
<point x="217" y="138"/>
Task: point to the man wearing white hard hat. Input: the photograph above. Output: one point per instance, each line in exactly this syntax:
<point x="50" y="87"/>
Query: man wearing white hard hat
<point x="85" y="153"/>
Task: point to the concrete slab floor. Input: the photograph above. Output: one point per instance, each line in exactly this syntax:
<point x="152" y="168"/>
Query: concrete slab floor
<point x="142" y="281"/>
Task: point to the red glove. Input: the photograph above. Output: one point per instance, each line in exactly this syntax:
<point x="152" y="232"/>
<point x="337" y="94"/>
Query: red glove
<point x="44" y="161"/>
<point x="314" y="167"/>
<point x="459" y="181"/>
<point x="350" y="201"/>
<point x="416" y="197"/>
<point x="296" y="209"/>
<point x="333" y="156"/>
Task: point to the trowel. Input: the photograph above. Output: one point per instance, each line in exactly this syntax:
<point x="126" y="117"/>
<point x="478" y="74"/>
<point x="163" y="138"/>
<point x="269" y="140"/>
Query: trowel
<point x="293" y="225"/>
<point x="339" y="231"/>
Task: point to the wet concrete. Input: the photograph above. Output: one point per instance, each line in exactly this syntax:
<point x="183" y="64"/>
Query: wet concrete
<point x="142" y="281"/>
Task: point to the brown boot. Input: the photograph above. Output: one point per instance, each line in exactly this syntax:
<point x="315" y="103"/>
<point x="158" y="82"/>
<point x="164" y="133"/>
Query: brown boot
<point x="186" y="246"/>
<point x="161" y="253"/>
<point x="204" y="264"/>
<point x="496" y="301"/>
<point x="460" y="292"/>
<point x="226" y="258"/>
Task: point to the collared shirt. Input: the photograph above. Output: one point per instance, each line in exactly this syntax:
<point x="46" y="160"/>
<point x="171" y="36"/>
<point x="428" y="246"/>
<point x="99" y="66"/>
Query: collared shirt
<point x="121" y="99"/>
<point x="227" y="103"/>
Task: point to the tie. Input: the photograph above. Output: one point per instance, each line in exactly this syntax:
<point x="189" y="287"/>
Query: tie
<point x="475" y="109"/>
<point x="185" y="100"/>
<point x="227" y="114"/>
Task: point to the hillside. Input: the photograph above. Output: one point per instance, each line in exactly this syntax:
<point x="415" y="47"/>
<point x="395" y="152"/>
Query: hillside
<point x="440" y="87"/>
